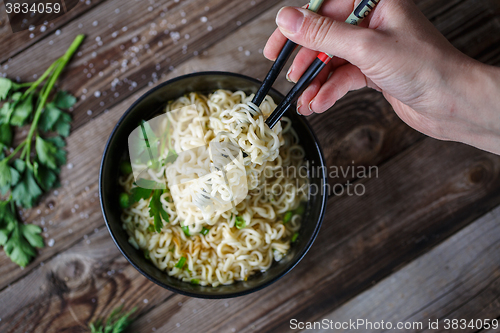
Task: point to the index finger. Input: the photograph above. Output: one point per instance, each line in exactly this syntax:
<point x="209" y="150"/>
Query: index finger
<point x="274" y="45"/>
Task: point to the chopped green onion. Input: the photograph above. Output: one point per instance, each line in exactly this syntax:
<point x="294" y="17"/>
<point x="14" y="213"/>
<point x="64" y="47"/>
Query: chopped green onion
<point x="126" y="168"/>
<point x="146" y="254"/>
<point x="240" y="222"/>
<point x="204" y="231"/>
<point x="186" y="230"/>
<point x="287" y="217"/>
<point x="124" y="200"/>
<point x="151" y="228"/>
<point x="195" y="281"/>
<point x="294" y="237"/>
<point x="181" y="262"/>
<point x="300" y="210"/>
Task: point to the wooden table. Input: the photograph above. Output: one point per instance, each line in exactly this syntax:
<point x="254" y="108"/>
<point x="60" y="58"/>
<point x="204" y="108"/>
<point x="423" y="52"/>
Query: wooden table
<point x="422" y="244"/>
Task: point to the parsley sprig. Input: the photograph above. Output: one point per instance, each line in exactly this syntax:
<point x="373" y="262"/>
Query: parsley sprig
<point x="31" y="168"/>
<point x="117" y="322"/>
<point x="156" y="210"/>
<point x="19" y="240"/>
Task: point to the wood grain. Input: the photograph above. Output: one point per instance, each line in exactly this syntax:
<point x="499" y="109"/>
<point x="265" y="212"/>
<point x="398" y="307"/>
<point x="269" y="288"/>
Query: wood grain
<point x="147" y="62"/>
<point x="459" y="279"/>
<point x="77" y="287"/>
<point x="138" y="47"/>
<point x="14" y="43"/>
<point x="429" y="191"/>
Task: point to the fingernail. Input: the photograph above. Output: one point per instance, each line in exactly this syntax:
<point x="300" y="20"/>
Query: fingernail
<point x="310" y="107"/>
<point x="288" y="75"/>
<point x="298" y="107"/>
<point x="290" y="19"/>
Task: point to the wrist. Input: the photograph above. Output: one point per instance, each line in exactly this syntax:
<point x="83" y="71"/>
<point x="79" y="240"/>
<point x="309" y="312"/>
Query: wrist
<point x="476" y="105"/>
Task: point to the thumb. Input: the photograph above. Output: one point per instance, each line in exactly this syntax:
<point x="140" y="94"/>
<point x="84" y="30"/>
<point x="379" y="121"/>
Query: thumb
<point x="324" y="34"/>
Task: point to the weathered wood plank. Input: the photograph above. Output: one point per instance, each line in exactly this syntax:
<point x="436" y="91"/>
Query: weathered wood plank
<point x="14" y="43"/>
<point x="459" y="279"/>
<point x="146" y="61"/>
<point x="77" y="287"/>
<point x="140" y="45"/>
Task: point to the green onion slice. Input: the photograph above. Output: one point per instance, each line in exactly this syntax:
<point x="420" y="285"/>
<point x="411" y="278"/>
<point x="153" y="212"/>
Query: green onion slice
<point x="181" y="262"/>
<point x="240" y="222"/>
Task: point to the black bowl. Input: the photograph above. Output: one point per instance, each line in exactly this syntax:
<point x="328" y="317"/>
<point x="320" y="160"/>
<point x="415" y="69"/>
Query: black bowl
<point x="149" y="105"/>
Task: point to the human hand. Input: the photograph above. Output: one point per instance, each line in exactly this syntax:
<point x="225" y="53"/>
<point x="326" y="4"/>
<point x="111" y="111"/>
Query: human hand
<point x="402" y="55"/>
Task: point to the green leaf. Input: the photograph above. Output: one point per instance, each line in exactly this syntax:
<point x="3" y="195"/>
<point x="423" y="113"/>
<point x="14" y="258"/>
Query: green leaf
<point x="6" y="215"/>
<point x="14" y="176"/>
<point x="6" y="112"/>
<point x="57" y="141"/>
<point x="8" y="223"/>
<point x="49" y="117"/>
<point x="4" y="190"/>
<point x="27" y="191"/>
<point x="64" y="100"/>
<point x="138" y="193"/>
<point x="116" y="322"/>
<point x="32" y="233"/>
<point x="20" y="165"/>
<point x="46" y="152"/>
<point x="5" y="175"/>
<point x="46" y="177"/>
<point x="156" y="210"/>
<point x="4" y="208"/>
<point x="63" y="124"/>
<point x="5" y="134"/>
<point x="18" y="248"/>
<point x="5" y="86"/>
<point x="22" y="111"/>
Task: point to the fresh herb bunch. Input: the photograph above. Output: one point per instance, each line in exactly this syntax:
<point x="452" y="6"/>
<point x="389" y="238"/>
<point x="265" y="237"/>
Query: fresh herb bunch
<point x="116" y="322"/>
<point x="27" y="173"/>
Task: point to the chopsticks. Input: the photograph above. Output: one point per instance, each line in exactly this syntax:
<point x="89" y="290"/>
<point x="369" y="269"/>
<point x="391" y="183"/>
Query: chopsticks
<point x="359" y="13"/>
<point x="279" y="63"/>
